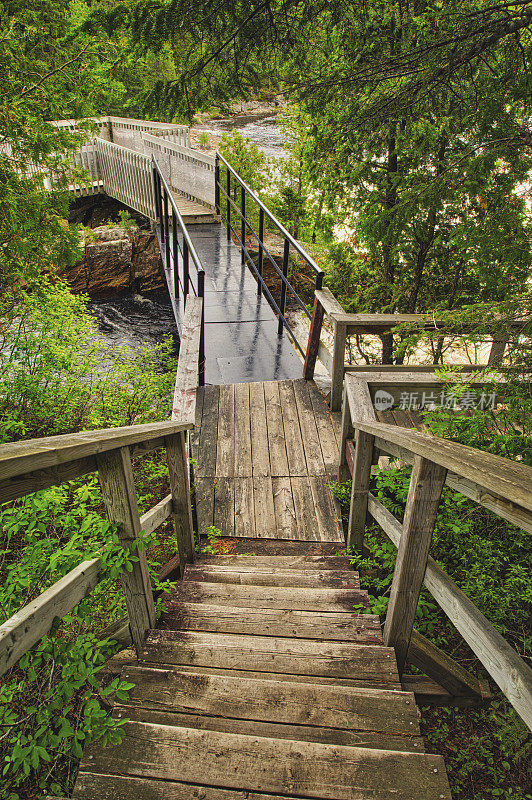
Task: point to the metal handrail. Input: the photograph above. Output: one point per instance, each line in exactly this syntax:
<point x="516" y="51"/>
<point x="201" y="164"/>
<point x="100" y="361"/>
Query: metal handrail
<point x="163" y="195"/>
<point x="246" y="227"/>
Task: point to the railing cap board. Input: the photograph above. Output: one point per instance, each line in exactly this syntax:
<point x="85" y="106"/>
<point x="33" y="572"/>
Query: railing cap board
<point x="18" y="458"/>
<point x="500" y="476"/>
<point x="181" y="149"/>
<point x="184" y="404"/>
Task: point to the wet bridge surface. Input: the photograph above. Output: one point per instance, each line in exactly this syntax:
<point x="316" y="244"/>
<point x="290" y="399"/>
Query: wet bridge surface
<point x="242" y="343"/>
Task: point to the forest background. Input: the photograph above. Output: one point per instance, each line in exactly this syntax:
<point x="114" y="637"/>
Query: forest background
<point x="410" y="143"/>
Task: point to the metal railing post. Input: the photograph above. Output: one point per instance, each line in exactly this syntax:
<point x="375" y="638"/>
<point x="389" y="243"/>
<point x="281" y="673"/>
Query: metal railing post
<point x="243" y="225"/>
<point x="186" y="274"/>
<point x="228" y="190"/>
<point x="217" y="184"/>
<point x="201" y="293"/>
<point x="282" y="303"/>
<point x="175" y="254"/>
<point x="261" y="249"/>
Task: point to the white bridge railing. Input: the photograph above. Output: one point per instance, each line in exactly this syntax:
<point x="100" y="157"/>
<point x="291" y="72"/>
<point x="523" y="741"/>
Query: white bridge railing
<point x="117" y="161"/>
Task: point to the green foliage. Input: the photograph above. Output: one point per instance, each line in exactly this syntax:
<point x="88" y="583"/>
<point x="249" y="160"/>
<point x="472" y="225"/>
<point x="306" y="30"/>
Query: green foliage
<point x="213" y="534"/>
<point x="51" y="378"/>
<point x="246" y="159"/>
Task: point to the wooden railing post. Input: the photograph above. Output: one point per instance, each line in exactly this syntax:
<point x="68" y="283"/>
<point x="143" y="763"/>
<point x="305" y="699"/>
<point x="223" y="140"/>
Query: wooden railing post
<point x="337" y="377"/>
<point x="313" y="345"/>
<point x="359" y="490"/>
<point x="347" y="433"/>
<point x="176" y="453"/>
<point x="118" y="489"/>
<point x="424" y="493"/>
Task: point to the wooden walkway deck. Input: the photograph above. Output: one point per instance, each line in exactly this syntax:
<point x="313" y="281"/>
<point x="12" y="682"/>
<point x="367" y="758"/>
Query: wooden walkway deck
<point x="265" y="453"/>
<point x="265" y="684"/>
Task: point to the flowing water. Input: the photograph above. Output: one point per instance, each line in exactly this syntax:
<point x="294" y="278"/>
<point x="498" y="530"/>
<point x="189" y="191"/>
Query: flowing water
<point x="263" y="129"/>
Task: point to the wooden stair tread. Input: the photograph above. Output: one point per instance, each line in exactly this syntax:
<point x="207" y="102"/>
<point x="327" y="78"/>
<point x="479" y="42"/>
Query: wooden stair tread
<point x="272" y="654"/>
<point x="275" y="730"/>
<point x="348" y="626"/>
<point x="262" y="764"/>
<point x="283" y="597"/>
<point x="341" y="707"/>
<point x="298" y="562"/>
<point x="265" y="576"/>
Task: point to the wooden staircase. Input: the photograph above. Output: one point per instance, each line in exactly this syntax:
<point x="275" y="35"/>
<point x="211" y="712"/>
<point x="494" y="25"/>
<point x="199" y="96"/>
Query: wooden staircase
<point x="264" y="682"/>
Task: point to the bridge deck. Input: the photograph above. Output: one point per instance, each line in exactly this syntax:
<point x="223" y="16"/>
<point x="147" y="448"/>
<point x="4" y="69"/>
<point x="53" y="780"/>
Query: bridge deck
<point x="265" y="452"/>
<point x="241" y="339"/>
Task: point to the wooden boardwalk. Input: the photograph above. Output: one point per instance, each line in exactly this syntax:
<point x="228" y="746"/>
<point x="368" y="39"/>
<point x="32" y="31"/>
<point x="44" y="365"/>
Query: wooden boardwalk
<point x="265" y="453"/>
<point x="263" y="683"/>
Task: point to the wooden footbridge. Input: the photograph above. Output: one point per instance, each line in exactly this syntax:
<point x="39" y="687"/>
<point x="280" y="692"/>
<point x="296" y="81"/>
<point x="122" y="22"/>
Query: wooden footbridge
<point x="264" y="678"/>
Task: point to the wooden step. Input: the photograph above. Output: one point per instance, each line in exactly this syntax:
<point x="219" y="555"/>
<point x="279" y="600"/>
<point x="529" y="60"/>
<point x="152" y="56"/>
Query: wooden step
<point x="274" y="730"/>
<point x="298" y="562"/>
<point x="340" y="707"/>
<point x="259" y="764"/>
<point x="271" y="654"/>
<point x="327" y="579"/>
<point x="342" y="626"/>
<point x="305" y="599"/>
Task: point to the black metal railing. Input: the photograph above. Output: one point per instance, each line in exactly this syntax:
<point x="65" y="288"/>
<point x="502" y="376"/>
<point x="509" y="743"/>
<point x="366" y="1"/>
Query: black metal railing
<point x="178" y="252"/>
<point x="234" y="186"/>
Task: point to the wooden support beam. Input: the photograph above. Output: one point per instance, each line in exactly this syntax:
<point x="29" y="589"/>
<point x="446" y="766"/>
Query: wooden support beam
<point x="176" y="453"/>
<point x="337" y="377"/>
<point x="346" y="433"/>
<point x="497" y="350"/>
<point x="424" y="655"/>
<point x="426" y="486"/>
<point x="313" y="345"/>
<point x="429" y="693"/>
<point x="359" y="490"/>
<point x="118" y="489"/>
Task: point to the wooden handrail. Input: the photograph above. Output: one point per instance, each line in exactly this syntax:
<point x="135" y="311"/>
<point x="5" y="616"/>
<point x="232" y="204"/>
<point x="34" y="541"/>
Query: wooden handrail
<point x="502" y="485"/>
<point x="344" y="324"/>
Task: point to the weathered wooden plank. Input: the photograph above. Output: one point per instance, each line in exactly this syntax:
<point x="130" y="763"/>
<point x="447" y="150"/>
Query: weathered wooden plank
<point x="328" y="518"/>
<point x="340" y="707"/>
<point x="299" y="562"/>
<point x="225" y="460"/>
<point x="271" y="654"/>
<point x="271" y="596"/>
<point x="325" y="426"/>
<point x="242" y="434"/>
<point x="34" y="620"/>
<point x="285" y="517"/>
<point x="307" y="524"/>
<point x="224" y="505"/>
<point x="151" y="520"/>
<point x="244" y="508"/>
<point x="309" y="429"/>
<point x="18" y="458"/>
<point x="426" y="484"/>
<point x="337" y="376"/>
<point x="259" y="431"/>
<point x="295" y="454"/>
<point x="204" y="499"/>
<point x="265" y="522"/>
<point x="339" y="626"/>
<point x="327" y="579"/>
<point x="301" y="733"/>
<point x="208" y="439"/>
<point x="328" y="302"/>
<point x="118" y="490"/>
<point x="194" y="435"/>
<point x="276" y="434"/>
<point x="511" y="673"/>
<point x="306" y="769"/>
<point x="178" y="470"/>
